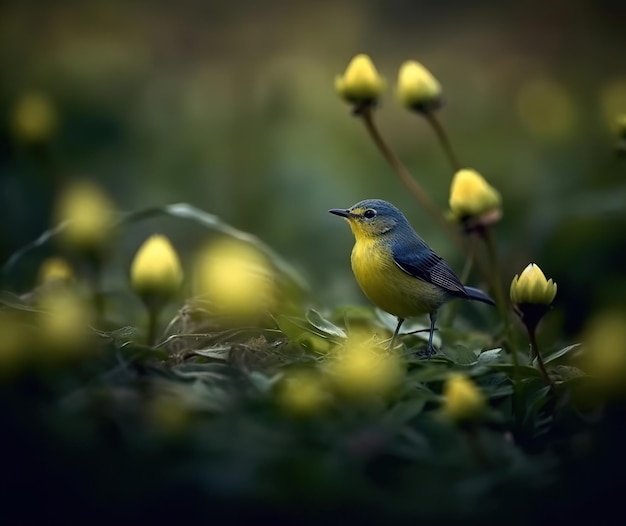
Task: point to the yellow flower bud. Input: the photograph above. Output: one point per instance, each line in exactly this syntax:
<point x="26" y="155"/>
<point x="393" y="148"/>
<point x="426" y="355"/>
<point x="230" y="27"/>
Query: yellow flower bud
<point x="303" y="392"/>
<point x="34" y="118"/>
<point x="463" y="399"/>
<point x="532" y="287"/>
<point x="89" y="215"/>
<point x="361" y="370"/>
<point x="418" y="90"/>
<point x="361" y="83"/>
<point x="55" y="270"/>
<point x="156" y="274"/>
<point x="472" y="196"/>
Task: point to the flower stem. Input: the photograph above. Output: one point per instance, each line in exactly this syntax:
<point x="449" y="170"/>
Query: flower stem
<point x="444" y="139"/>
<point x="451" y="311"/>
<point x="405" y="177"/>
<point x="95" y="281"/>
<point x="469" y="262"/>
<point x="496" y="284"/>
<point x="534" y="353"/>
<point x="153" y="323"/>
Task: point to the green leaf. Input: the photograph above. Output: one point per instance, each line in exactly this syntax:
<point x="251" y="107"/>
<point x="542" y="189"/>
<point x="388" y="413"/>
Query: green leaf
<point x="263" y="383"/>
<point x="536" y="401"/>
<point x="202" y="371"/>
<point x="119" y="337"/>
<point x="492" y="356"/>
<point x="220" y="352"/>
<point x="135" y="352"/>
<point x="13" y="301"/>
<point x="405" y="410"/>
<point x="293" y="327"/>
<point x="299" y="331"/>
<point x="429" y="373"/>
<point x="324" y="325"/>
<point x="460" y="355"/>
<point x="524" y="371"/>
<point x="40" y="241"/>
<point x="567" y="372"/>
<point x="558" y="354"/>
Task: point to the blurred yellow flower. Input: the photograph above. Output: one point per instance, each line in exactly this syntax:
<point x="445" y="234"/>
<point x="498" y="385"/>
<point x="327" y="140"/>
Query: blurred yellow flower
<point x="546" y="109"/>
<point x="604" y="348"/>
<point x="417" y="88"/>
<point x="303" y="393"/>
<point x="169" y="412"/>
<point x="361" y="83"/>
<point x="532" y="287"/>
<point x="472" y="196"/>
<point x="64" y="322"/>
<point x="156" y="274"/>
<point x="235" y="277"/>
<point x="463" y="399"/>
<point x="12" y="343"/>
<point x="55" y="270"/>
<point x="613" y="99"/>
<point x="620" y="125"/>
<point x="34" y="118"/>
<point x="361" y="369"/>
<point x="89" y="215"/>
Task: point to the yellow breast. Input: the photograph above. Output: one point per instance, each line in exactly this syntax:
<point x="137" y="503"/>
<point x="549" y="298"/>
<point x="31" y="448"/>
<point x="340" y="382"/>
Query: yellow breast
<point x="387" y="286"/>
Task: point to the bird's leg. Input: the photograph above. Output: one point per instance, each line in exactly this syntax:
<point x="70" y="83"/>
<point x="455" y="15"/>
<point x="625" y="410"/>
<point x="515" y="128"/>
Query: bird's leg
<point x="393" y="338"/>
<point x="429" y="349"/>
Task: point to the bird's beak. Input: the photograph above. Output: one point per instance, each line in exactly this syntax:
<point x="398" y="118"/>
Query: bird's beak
<point x="341" y="212"/>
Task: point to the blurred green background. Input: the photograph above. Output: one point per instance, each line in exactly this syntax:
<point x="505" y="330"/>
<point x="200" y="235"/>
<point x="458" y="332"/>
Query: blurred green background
<point x="231" y="107"/>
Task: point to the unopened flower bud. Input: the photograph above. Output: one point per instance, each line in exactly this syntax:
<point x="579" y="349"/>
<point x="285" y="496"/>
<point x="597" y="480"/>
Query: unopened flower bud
<point x="156" y="274"/>
<point x="531" y="294"/>
<point x="473" y="200"/>
<point x="89" y="216"/>
<point x="361" y="84"/>
<point x="418" y="90"/>
<point x="531" y="286"/>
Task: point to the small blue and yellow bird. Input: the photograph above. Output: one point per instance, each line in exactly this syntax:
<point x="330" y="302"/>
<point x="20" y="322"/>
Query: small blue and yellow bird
<point x="395" y="267"/>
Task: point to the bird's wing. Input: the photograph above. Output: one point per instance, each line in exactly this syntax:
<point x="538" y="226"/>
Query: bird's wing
<point x="419" y="261"/>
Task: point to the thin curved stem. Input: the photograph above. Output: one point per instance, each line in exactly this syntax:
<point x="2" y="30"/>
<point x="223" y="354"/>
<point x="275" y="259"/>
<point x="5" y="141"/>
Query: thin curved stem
<point x="534" y="352"/>
<point x="469" y="262"/>
<point x="444" y="139"/>
<point x="496" y="284"/>
<point x="153" y="323"/>
<point x="96" y="279"/>
<point x="405" y="177"/>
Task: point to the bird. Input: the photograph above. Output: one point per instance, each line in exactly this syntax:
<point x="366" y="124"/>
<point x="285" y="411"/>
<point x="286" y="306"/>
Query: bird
<point x="396" y="269"/>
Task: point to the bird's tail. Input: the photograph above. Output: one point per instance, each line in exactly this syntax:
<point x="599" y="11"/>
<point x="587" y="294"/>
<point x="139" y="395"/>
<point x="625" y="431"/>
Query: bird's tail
<point x="478" y="295"/>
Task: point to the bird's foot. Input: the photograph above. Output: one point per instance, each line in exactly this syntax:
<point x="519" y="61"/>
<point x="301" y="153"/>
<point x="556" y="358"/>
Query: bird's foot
<point x="426" y="353"/>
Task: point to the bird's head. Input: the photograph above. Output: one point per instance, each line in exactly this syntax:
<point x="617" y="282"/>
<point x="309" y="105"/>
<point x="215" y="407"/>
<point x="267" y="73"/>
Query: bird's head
<point x="371" y="218"/>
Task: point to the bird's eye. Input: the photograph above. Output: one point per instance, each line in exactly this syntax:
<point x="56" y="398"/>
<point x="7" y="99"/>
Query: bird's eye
<point x="369" y="213"/>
